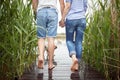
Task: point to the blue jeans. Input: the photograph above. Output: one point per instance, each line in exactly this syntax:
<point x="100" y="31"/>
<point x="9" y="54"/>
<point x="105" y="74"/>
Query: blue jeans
<point x="47" y="19"/>
<point x="74" y="36"/>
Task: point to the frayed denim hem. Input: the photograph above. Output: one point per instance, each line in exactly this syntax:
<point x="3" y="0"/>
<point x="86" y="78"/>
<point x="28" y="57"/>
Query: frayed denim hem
<point x="72" y="53"/>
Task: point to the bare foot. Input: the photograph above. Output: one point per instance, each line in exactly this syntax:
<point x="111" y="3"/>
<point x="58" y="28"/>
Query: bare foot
<point x="51" y="67"/>
<point x="74" y="66"/>
<point x="40" y="63"/>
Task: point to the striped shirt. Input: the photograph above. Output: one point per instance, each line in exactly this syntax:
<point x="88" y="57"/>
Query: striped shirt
<point x="77" y="10"/>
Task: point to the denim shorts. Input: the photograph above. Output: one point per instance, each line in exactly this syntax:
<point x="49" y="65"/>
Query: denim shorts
<point x="47" y="21"/>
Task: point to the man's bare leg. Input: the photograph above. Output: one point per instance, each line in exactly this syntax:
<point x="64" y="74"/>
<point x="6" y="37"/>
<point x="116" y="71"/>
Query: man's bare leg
<point x="41" y="46"/>
<point x="51" y="47"/>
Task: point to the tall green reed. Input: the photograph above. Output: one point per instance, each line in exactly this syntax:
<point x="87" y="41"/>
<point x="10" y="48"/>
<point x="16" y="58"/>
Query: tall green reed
<point x="101" y="42"/>
<point x="17" y="38"/>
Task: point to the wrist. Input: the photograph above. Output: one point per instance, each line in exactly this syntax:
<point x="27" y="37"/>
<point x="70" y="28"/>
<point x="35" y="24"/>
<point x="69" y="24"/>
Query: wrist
<point x="62" y="19"/>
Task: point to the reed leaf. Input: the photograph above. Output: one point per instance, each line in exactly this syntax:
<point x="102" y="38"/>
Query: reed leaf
<point x="101" y="48"/>
<point x="17" y="38"/>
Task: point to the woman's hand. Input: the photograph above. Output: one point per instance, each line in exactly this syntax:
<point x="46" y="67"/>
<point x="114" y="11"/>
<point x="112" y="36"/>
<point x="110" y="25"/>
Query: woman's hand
<point x="62" y="23"/>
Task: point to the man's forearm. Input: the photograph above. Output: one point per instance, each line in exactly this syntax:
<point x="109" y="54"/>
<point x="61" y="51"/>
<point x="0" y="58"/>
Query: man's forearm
<point x="34" y="4"/>
<point x="62" y="6"/>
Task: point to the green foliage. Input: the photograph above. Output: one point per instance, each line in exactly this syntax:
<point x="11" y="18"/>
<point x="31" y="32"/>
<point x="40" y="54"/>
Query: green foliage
<point x="101" y="41"/>
<point x="17" y="38"/>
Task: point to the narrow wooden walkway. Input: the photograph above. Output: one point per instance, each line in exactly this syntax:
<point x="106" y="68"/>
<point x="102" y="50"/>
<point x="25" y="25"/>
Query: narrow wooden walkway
<point x="62" y="70"/>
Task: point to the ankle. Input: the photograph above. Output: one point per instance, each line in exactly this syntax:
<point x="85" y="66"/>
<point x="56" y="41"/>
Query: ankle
<point x="74" y="57"/>
<point x="40" y="57"/>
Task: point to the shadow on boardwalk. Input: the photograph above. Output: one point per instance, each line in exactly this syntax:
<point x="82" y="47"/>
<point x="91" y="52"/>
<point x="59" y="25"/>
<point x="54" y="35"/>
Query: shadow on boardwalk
<point x="62" y="70"/>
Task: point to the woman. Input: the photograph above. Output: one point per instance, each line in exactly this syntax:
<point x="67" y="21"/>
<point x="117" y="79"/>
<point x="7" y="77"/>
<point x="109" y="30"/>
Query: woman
<point x="73" y="18"/>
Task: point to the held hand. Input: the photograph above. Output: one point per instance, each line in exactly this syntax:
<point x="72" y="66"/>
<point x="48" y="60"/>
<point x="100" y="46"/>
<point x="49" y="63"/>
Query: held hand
<point x="61" y="23"/>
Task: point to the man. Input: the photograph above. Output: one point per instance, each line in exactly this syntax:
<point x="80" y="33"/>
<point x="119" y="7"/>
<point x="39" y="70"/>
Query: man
<point x="47" y="20"/>
<point x="75" y="23"/>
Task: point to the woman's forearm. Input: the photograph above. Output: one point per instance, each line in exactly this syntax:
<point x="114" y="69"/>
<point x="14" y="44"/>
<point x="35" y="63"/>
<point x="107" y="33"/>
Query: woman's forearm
<point x="66" y="10"/>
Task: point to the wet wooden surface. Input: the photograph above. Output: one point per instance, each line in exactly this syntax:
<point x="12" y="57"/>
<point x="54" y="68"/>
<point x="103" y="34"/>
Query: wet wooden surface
<point x="62" y="70"/>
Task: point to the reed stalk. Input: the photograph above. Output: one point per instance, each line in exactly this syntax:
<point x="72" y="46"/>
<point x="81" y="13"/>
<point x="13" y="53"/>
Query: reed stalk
<point x="102" y="39"/>
<point x="17" y="38"/>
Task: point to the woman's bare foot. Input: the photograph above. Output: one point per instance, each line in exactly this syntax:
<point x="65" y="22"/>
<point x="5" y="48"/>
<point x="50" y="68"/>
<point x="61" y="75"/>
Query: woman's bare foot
<point x="74" y="66"/>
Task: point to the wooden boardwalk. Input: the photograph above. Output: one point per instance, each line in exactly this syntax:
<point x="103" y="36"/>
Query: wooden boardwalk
<point x="62" y="70"/>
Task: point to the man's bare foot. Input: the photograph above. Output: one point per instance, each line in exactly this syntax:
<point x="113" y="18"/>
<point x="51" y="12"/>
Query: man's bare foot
<point x="40" y="63"/>
<point x="51" y="67"/>
<point x="74" y="66"/>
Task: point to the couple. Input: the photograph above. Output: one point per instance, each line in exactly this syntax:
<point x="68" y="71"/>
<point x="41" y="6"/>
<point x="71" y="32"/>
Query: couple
<point x="73" y="18"/>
